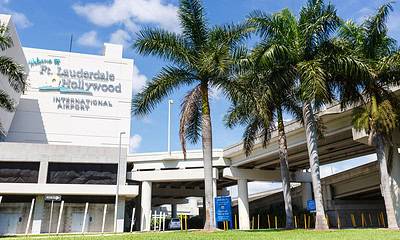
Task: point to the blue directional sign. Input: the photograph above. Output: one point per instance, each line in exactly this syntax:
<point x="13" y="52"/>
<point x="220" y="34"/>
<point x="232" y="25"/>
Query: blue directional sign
<point x="223" y="209"/>
<point x="311" y="205"/>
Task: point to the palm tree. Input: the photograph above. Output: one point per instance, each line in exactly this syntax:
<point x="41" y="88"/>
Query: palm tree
<point x="12" y="70"/>
<point x="261" y="93"/>
<point x="306" y="47"/>
<point x="378" y="108"/>
<point x="201" y="56"/>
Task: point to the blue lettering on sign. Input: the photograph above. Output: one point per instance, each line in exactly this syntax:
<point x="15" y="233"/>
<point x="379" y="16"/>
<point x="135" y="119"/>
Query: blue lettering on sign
<point x="41" y="61"/>
<point x="311" y="205"/>
<point x="223" y="209"/>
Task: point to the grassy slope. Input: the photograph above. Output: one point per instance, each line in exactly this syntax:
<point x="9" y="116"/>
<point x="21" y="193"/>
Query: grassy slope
<point x="368" y="234"/>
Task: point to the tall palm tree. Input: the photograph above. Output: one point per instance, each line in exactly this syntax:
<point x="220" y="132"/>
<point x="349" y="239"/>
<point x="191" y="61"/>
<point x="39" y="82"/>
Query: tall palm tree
<point x="201" y="56"/>
<point x="378" y="108"/>
<point x="306" y="45"/>
<point x="261" y="93"/>
<point x="12" y="70"/>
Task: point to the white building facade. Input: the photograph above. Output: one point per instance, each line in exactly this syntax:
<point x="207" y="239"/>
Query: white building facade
<point x="61" y="157"/>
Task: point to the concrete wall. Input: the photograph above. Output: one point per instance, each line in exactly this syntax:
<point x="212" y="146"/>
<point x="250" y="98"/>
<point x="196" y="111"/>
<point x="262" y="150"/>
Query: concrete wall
<point x="53" y="120"/>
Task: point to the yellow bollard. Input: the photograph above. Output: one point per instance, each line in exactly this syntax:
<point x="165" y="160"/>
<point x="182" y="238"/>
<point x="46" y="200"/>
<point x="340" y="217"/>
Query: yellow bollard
<point x="186" y="228"/>
<point x="180" y="219"/>
<point x="295" y="221"/>
<point x="309" y="221"/>
<point x="362" y="221"/>
<point x="236" y="227"/>
<point x="269" y="221"/>
<point x="305" y="221"/>
<point x="338" y="221"/>
<point x="258" y="221"/>
<point x="252" y="223"/>
<point x="383" y="219"/>
<point x="276" y="222"/>
<point x="353" y="220"/>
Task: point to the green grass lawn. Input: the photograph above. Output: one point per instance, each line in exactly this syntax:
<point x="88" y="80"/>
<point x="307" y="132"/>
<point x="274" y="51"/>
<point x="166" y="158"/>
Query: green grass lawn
<point x="364" y="234"/>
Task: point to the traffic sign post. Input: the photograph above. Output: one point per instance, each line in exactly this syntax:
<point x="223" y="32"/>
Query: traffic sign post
<point x="223" y="210"/>
<point x="52" y="199"/>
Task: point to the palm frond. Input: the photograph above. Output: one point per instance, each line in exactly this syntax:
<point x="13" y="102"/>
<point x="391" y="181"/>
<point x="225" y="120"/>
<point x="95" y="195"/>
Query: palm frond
<point x="376" y="31"/>
<point x="314" y="81"/>
<point x="6" y="102"/>
<point x="317" y="22"/>
<point x="230" y="34"/>
<point x="251" y="134"/>
<point x="193" y="22"/>
<point x="191" y="118"/>
<point x="166" y="45"/>
<point x="162" y="85"/>
<point x="5" y="38"/>
<point x="15" y="73"/>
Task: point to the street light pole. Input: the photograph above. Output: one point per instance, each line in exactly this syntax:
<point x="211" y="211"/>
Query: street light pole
<point x="117" y="187"/>
<point x="170" y="102"/>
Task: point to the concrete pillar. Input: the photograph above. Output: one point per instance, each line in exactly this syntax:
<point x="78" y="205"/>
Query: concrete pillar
<point x="215" y="188"/>
<point x="306" y="193"/>
<point x="393" y="169"/>
<point x="38" y="215"/>
<point x="174" y="210"/>
<point x="243" y="205"/>
<point x="43" y="167"/>
<point x="215" y="194"/>
<point x="145" y="218"/>
<point x="121" y="214"/>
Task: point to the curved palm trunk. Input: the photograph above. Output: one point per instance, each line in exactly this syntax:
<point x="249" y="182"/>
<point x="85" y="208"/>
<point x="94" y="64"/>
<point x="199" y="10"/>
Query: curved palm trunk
<point x="312" y="145"/>
<point x="385" y="182"/>
<point x="283" y="157"/>
<point x="207" y="158"/>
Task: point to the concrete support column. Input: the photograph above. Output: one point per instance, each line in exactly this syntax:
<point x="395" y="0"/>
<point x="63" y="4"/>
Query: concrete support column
<point x="38" y="215"/>
<point x="145" y="219"/>
<point x="392" y="200"/>
<point x="243" y="205"/>
<point x="43" y="167"/>
<point x="306" y="193"/>
<point x="174" y="210"/>
<point x="395" y="183"/>
<point x="121" y="214"/>
<point x="215" y="188"/>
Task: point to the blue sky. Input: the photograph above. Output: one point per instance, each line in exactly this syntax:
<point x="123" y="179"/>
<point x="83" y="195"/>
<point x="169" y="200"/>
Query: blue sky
<point x="49" y="24"/>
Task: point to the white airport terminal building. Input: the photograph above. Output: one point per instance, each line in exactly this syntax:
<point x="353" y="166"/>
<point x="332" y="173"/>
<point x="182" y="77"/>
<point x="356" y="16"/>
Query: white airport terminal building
<point x="64" y="155"/>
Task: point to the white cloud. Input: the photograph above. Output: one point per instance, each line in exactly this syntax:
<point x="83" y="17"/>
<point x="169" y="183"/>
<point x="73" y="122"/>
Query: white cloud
<point x="89" y="39"/>
<point x="139" y="80"/>
<point x="394" y="22"/>
<point x="134" y="142"/>
<point x="364" y="13"/>
<point x="215" y="93"/>
<point x="130" y="13"/>
<point x="18" y="18"/>
<point x="120" y="37"/>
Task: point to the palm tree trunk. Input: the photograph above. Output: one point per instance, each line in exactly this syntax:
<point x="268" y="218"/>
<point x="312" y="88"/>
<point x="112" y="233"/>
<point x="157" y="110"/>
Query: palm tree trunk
<point x="312" y="145"/>
<point x="283" y="157"/>
<point x="207" y="158"/>
<point x="385" y="182"/>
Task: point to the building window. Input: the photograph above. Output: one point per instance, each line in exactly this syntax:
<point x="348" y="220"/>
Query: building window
<point x="19" y="172"/>
<point x="82" y="173"/>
